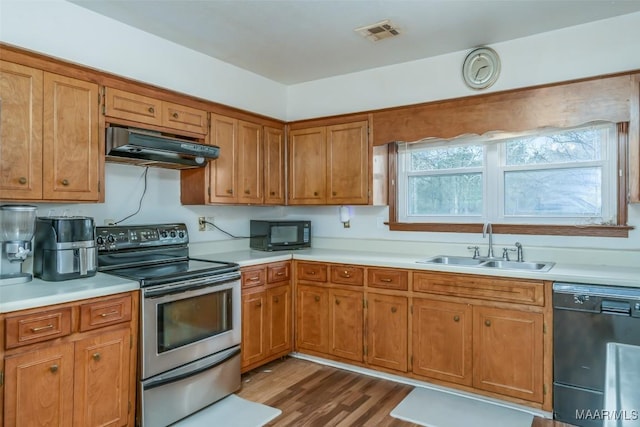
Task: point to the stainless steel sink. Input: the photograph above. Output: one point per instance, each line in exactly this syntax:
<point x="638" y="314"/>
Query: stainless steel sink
<point x="452" y="260"/>
<point x="515" y="265"/>
<point x="492" y="263"/>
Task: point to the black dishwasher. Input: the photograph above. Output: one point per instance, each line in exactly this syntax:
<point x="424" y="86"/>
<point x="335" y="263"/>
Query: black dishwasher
<point x="586" y="319"/>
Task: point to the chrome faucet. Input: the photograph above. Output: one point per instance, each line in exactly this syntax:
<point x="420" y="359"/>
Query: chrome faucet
<point x="488" y="229"/>
<point x="519" y="249"/>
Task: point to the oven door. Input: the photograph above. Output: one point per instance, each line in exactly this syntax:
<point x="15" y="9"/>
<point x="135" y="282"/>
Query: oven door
<point x="189" y="320"/>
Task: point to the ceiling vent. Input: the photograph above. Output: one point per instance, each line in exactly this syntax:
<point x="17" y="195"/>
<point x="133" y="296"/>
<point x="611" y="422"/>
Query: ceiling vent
<point x="378" y="31"/>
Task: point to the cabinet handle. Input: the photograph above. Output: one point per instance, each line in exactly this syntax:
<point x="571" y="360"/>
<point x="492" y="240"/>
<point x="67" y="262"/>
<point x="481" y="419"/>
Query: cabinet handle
<point x="258" y="304"/>
<point x="337" y="301"/>
<point x="111" y="313"/>
<point x="393" y="309"/>
<point x="247" y="191"/>
<point x="229" y="191"/>
<point x="151" y="110"/>
<point x="276" y="300"/>
<point x="456" y="318"/>
<point x="42" y="328"/>
<point x="316" y="298"/>
<point x="22" y="180"/>
<point x="65" y="182"/>
<point x="280" y="273"/>
<point x="311" y="272"/>
<point x="96" y="357"/>
<point x="487" y="322"/>
<point x="254" y="278"/>
<point x="175" y="115"/>
<point x="386" y="280"/>
<point x="53" y="369"/>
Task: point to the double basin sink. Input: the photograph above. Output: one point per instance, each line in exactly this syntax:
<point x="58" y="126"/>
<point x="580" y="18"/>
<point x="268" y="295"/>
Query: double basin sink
<point x="499" y="264"/>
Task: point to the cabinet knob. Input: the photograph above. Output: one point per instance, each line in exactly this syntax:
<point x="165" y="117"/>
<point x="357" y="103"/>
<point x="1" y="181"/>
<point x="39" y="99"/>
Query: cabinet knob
<point x="53" y="369"/>
<point x="259" y="304"/>
<point x="334" y="193"/>
<point x="273" y="193"/>
<point x="111" y="313"/>
<point x="229" y="191"/>
<point x="312" y="272"/>
<point x="393" y="309"/>
<point x="22" y="180"/>
<point x="315" y="193"/>
<point x="316" y="298"/>
<point x="175" y="115"/>
<point x="65" y="182"/>
<point x="337" y="301"/>
<point x="151" y="110"/>
<point x="487" y="322"/>
<point x="247" y="191"/>
<point x="346" y="274"/>
<point x="96" y="357"/>
<point x="276" y="300"/>
<point x="456" y="318"/>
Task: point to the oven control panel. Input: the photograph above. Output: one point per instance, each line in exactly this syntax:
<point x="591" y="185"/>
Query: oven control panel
<point x="112" y="238"/>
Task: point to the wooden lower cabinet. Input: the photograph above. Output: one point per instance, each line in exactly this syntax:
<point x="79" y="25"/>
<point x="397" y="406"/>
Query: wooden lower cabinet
<point x="312" y="319"/>
<point x="442" y="336"/>
<point x="267" y="321"/>
<point x="81" y="379"/>
<point x="387" y="330"/>
<point x="508" y="352"/>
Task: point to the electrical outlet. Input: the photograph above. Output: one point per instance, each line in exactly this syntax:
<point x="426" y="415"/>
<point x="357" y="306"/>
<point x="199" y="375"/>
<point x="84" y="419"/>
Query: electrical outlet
<point x="202" y="225"/>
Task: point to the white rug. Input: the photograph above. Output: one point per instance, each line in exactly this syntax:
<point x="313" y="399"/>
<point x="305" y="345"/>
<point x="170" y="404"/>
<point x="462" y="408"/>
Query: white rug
<point x="232" y="411"/>
<point x="435" y="408"/>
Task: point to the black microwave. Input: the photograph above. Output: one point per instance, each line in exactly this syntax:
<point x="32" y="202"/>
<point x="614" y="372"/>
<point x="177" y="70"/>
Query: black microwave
<point x="279" y="235"/>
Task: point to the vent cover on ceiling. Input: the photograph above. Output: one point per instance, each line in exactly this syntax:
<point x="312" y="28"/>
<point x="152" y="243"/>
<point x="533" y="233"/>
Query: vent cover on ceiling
<point x="378" y="31"/>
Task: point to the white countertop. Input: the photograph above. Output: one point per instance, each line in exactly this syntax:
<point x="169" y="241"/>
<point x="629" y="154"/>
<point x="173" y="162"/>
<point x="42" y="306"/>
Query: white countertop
<point x="39" y="293"/>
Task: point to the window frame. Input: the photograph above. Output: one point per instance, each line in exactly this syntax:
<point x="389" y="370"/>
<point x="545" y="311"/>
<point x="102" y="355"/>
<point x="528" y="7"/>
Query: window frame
<point x="619" y="229"/>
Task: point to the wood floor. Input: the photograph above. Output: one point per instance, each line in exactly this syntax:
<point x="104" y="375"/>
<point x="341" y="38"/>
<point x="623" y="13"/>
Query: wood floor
<point x="309" y="394"/>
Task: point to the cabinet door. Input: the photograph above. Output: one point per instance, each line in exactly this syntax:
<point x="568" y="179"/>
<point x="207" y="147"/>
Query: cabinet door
<point x="442" y="333"/>
<point x="507" y="352"/>
<point x="39" y="387"/>
<point x="254" y="309"/>
<point x="307" y="166"/>
<point x="223" y="170"/>
<point x="133" y="107"/>
<point x="346" y="324"/>
<point x="71" y="146"/>
<point x="273" y="166"/>
<point x="20" y="132"/>
<point x="101" y="394"/>
<point x="312" y="319"/>
<point x="184" y="118"/>
<point x="387" y="331"/>
<point x="250" y="163"/>
<point x="279" y="320"/>
<point x="347" y="164"/>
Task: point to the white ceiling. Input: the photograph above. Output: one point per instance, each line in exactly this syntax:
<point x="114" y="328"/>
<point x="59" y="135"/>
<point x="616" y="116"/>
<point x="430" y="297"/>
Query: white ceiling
<point x="293" y="41"/>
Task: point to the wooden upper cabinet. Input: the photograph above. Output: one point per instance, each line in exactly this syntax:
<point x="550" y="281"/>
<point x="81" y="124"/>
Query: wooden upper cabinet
<point x="71" y="148"/>
<point x="347" y="164"/>
<point x="329" y="165"/>
<point x="274" y="171"/>
<point x="222" y="171"/>
<point x="307" y="166"/>
<point x="20" y="132"/>
<point x="250" y="163"/>
<point x="50" y="136"/>
<point x="132" y="107"/>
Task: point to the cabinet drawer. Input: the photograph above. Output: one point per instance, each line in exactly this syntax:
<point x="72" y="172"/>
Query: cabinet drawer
<point x="387" y="278"/>
<point x="253" y="277"/>
<point x="177" y="116"/>
<point x="482" y="287"/>
<point x="312" y="272"/>
<point x="347" y="275"/>
<point x="131" y="106"/>
<point x="103" y="313"/>
<point x="278" y="272"/>
<point x="36" y="327"/>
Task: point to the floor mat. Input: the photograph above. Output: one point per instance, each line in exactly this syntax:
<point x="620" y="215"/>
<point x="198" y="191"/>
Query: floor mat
<point x="232" y="411"/>
<point x="435" y="408"/>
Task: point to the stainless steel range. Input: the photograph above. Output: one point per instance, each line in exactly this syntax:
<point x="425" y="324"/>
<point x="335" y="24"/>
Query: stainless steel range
<point x="190" y="319"/>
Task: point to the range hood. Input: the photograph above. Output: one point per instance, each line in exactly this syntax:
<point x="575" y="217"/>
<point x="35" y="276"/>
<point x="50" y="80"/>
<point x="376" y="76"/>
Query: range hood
<point x="147" y="148"/>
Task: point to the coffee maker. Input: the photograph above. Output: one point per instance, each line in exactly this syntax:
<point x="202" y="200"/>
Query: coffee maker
<point x="65" y="248"/>
<point x="17" y="224"/>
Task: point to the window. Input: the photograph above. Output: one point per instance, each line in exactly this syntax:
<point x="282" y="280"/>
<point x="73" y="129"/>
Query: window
<point x="550" y="177"/>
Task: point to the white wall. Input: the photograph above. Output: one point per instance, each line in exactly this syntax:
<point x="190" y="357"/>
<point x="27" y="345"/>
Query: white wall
<point x="61" y="29"/>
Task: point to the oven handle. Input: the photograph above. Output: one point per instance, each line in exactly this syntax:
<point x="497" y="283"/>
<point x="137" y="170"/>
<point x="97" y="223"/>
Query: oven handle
<point x="188" y="285"/>
<point x="181" y="375"/>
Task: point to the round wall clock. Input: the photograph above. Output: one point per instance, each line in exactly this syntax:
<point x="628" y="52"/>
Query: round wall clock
<point x="481" y="68"/>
